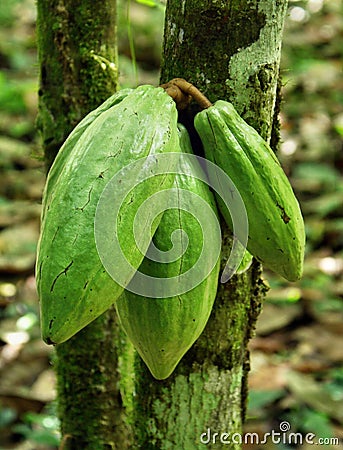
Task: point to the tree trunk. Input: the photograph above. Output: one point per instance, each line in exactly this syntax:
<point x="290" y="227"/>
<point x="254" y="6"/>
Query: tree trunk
<point x="229" y="50"/>
<point x="78" y="64"/>
<point x="78" y="71"/>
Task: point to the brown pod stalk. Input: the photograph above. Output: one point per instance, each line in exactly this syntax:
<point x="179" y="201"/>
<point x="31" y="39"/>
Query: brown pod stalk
<point x="183" y="92"/>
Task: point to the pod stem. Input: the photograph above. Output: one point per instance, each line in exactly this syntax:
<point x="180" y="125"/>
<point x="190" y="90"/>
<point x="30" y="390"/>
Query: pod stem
<point x="182" y="92"/>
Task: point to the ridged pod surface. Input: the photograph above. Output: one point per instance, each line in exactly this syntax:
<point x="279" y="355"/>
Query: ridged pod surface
<point x="163" y="329"/>
<point x="75" y="135"/>
<point x="276" y="227"/>
<point x="73" y="286"/>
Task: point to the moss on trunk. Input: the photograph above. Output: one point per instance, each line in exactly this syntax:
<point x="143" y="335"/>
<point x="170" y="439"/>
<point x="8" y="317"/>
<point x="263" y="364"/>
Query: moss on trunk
<point x="78" y="64"/>
<point x="90" y="404"/>
<point x="229" y="50"/>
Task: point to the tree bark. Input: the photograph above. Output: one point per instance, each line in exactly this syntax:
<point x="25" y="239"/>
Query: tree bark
<point x="78" y="64"/>
<point x="229" y="50"/>
<point x="78" y="71"/>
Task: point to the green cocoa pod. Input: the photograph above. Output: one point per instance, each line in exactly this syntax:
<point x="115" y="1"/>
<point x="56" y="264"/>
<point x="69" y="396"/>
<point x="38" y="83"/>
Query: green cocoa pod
<point x="73" y="286"/>
<point x="276" y="227"/>
<point x="163" y="329"/>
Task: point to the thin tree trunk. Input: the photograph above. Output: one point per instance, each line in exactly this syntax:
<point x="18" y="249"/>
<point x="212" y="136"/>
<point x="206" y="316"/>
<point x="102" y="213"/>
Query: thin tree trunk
<point x="78" y="71"/>
<point x="78" y="64"/>
<point x="229" y="50"/>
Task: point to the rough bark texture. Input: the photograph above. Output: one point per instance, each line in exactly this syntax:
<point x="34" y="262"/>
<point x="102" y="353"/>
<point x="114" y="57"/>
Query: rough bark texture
<point x="77" y="59"/>
<point x="90" y="403"/>
<point x="78" y="68"/>
<point x="230" y="50"/>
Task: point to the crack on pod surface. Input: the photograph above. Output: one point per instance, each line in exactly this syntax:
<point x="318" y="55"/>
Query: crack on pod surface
<point x="118" y="151"/>
<point x="284" y="215"/>
<point x="40" y="269"/>
<point x="63" y="272"/>
<point x="81" y="208"/>
<point x="55" y="234"/>
<point x="132" y="199"/>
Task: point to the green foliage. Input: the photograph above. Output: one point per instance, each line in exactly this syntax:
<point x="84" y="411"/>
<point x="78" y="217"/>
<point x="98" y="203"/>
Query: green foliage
<point x="7" y="416"/>
<point x="131" y="44"/>
<point x="334" y="383"/>
<point x="140" y="33"/>
<point x="7" y="15"/>
<point x="263" y="398"/>
<point x="41" y="429"/>
<point x="11" y="95"/>
<point x="323" y="175"/>
<point x="152" y="3"/>
<point x="307" y="420"/>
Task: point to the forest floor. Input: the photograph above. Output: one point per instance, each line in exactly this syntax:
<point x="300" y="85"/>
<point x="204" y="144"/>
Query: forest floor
<point x="296" y="380"/>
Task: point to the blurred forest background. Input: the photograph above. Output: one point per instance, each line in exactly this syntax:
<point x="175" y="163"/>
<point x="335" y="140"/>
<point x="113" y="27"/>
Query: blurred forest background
<point x="297" y="354"/>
